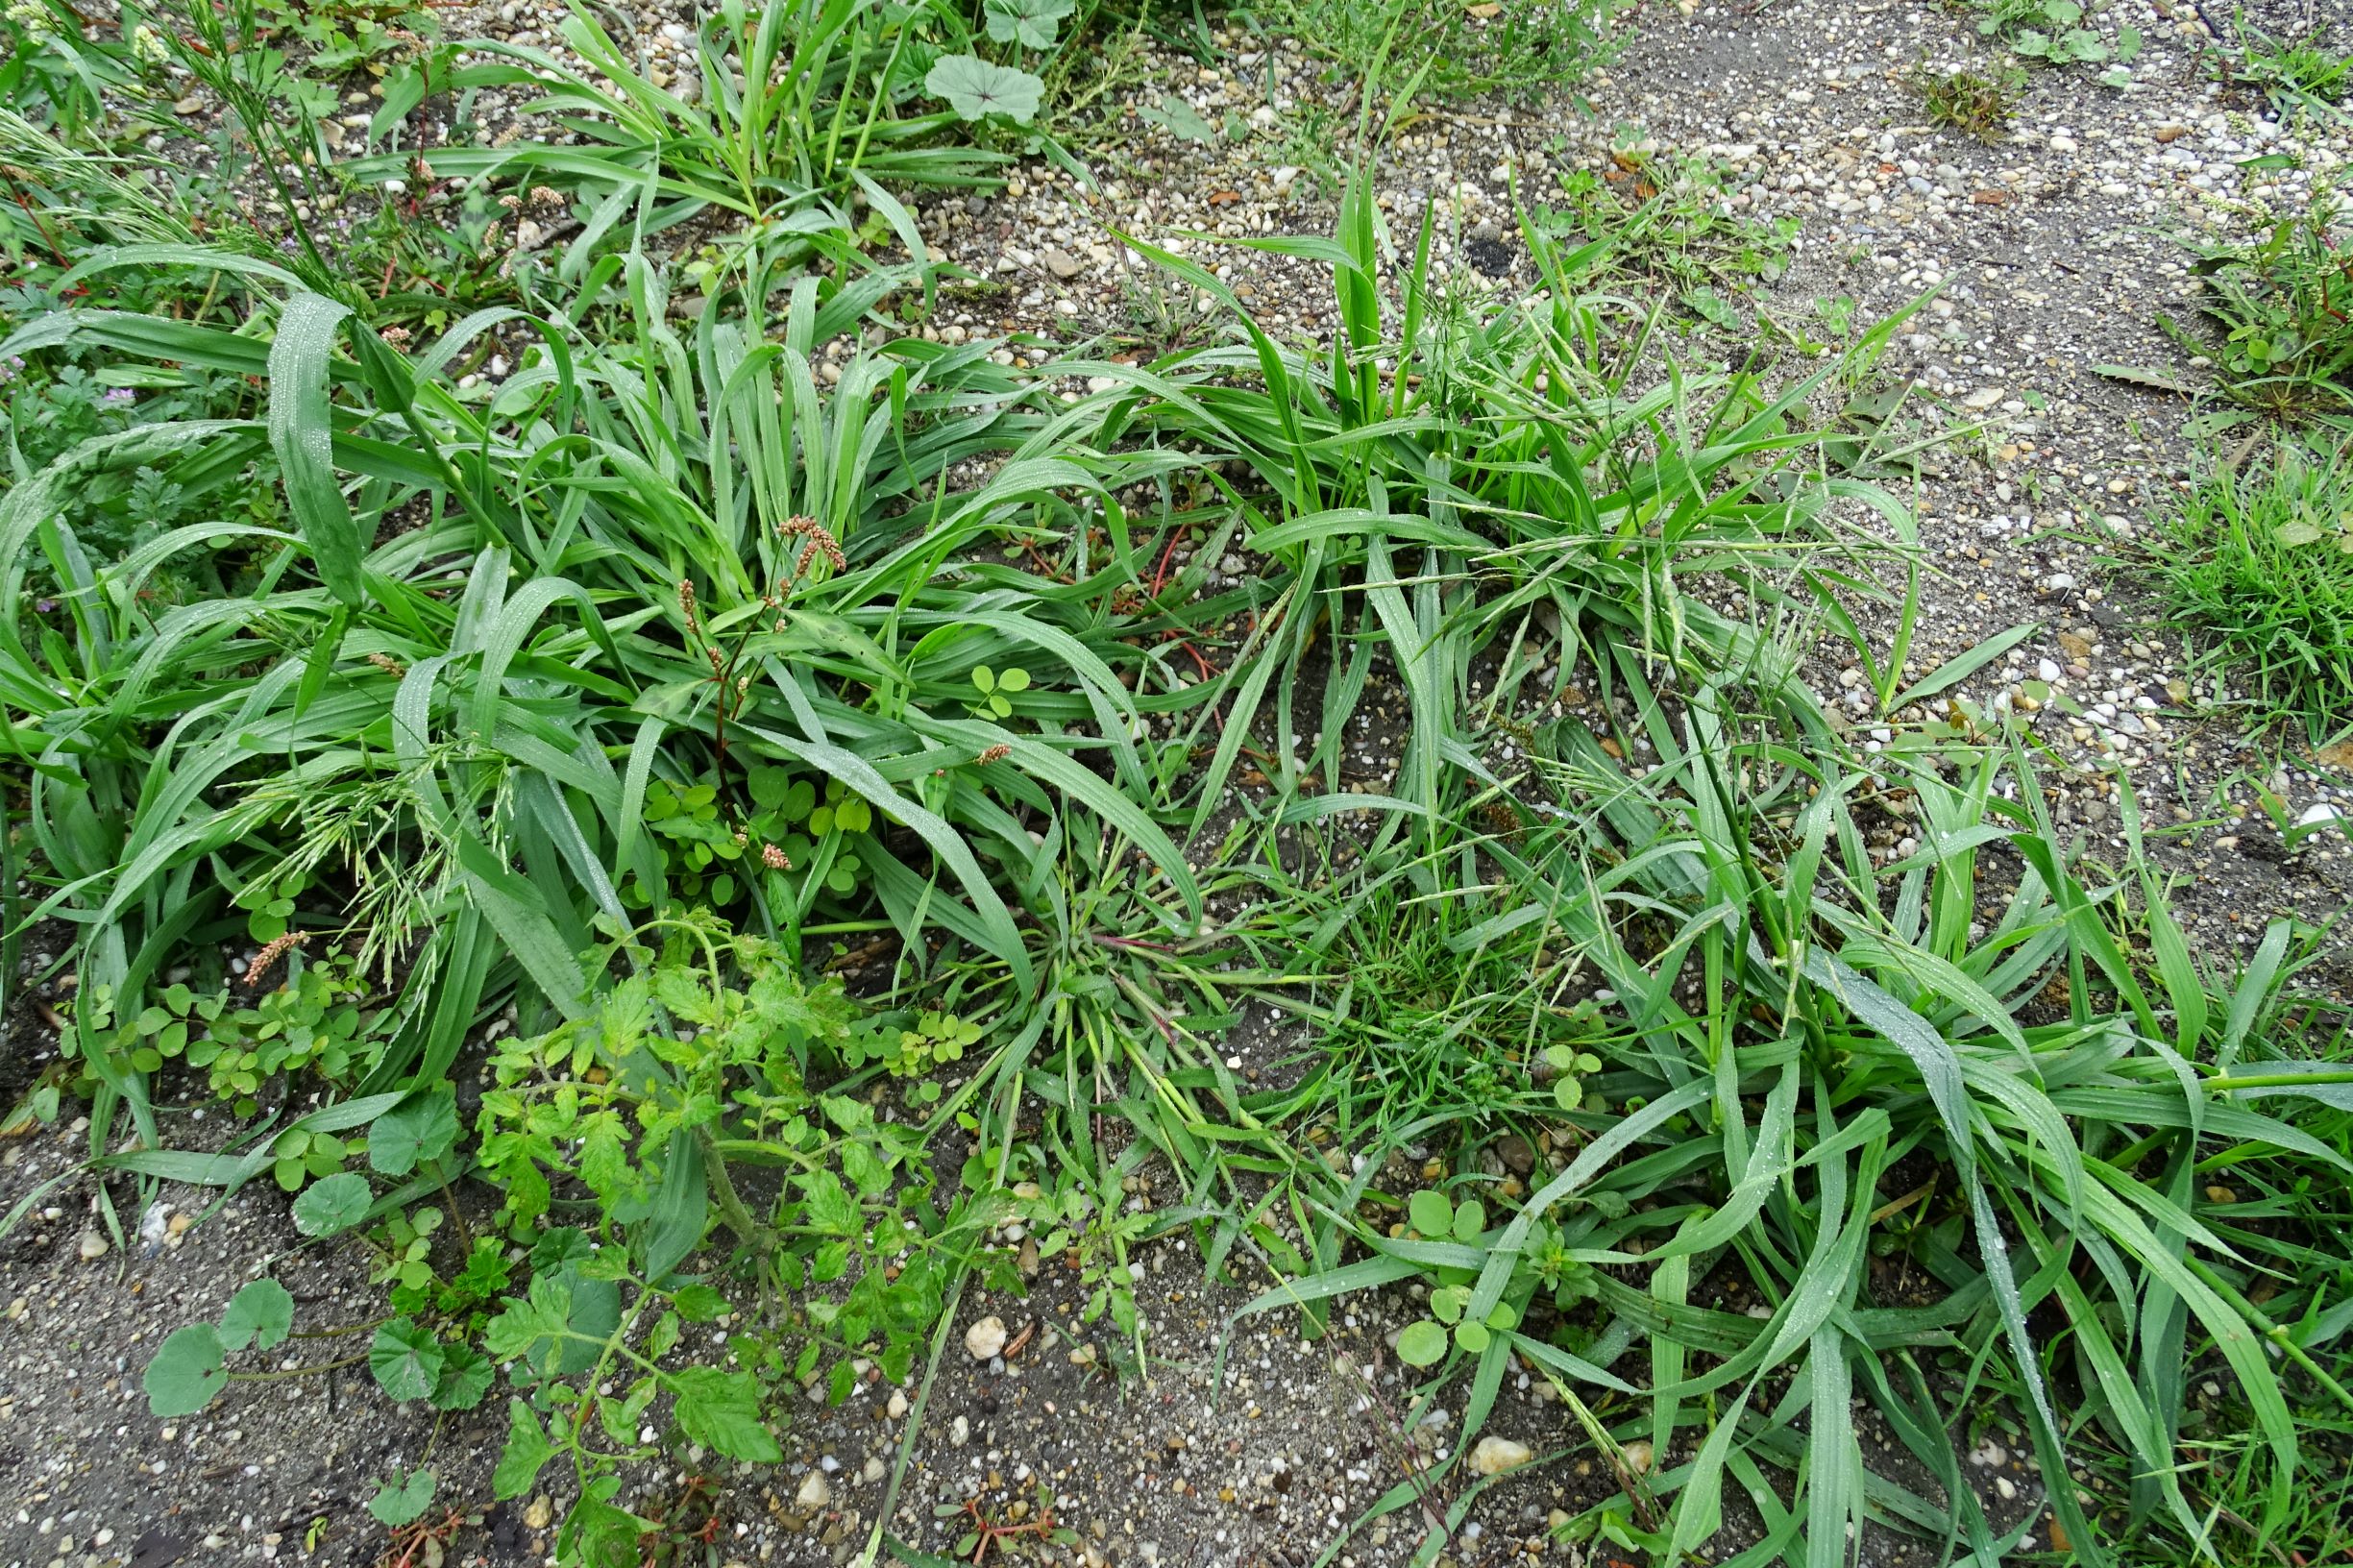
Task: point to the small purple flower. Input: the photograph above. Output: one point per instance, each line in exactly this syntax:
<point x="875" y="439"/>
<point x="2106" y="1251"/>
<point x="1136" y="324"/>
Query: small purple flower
<point x="42" y="606"/>
<point x="118" y="395"/>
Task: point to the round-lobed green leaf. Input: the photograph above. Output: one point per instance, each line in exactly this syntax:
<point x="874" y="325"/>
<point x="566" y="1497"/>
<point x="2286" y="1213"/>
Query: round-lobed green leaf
<point x="261" y="1315"/>
<point x="333" y="1206"/>
<point x="188" y="1371"/>
<point x="1429" y="1214"/>
<point x="1422" y="1344"/>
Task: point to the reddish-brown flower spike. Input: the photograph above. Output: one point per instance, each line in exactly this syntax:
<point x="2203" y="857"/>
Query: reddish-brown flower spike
<point x="820" y="542"/>
<point x="686" y="604"/>
<point x="996" y="753"/>
<point x="267" y="959"/>
<point x="778" y="860"/>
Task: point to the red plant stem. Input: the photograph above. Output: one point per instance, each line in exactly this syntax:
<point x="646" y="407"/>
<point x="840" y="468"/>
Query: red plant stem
<point x="724" y="677"/>
<point x="42" y="222"/>
<point x="1160" y="578"/>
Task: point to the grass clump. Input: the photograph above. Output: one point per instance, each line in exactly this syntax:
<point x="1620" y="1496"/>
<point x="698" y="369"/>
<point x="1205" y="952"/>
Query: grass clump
<point x="2258" y="565"/>
<point x="1977" y="102"/>
<point x="1778" y="996"/>
<point x="52" y="71"/>
<point x="1448" y="49"/>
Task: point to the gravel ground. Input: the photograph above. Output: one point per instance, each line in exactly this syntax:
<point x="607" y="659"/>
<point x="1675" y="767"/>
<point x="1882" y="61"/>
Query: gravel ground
<point x="87" y="1477"/>
<point x="2051" y="254"/>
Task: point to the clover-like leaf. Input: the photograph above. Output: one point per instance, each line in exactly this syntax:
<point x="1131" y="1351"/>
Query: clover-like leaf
<point x="769" y="786"/>
<point x="1421" y="1344"/>
<point x="1430" y="1214"/>
<point x="975" y="89"/>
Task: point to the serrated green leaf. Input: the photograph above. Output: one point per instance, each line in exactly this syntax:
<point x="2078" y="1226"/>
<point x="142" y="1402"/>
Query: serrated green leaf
<point x="528" y="1451"/>
<point x="721" y="1412"/>
<point x="700" y="1304"/>
<point x="1029" y="23"/>
<point x="407" y="1360"/>
<point x="423" y="1127"/>
<point x="465" y="1378"/>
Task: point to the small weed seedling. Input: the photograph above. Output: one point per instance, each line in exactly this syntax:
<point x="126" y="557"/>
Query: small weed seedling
<point x="1977" y="102"/>
<point x="2284" y="301"/>
<point x="1026" y="1520"/>
<point x="1670" y="219"/>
